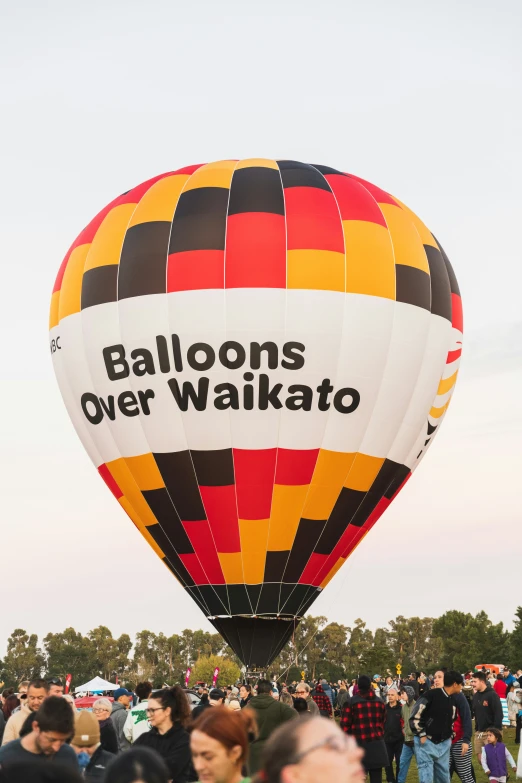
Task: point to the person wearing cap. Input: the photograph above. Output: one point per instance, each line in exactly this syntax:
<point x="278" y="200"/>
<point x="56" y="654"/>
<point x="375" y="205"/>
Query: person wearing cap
<point x="92" y="758"/>
<point x="376" y="684"/>
<point x="408" y="698"/>
<point x="120" y="705"/>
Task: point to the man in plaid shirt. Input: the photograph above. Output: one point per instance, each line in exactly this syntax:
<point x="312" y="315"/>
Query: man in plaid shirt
<point x="322" y="701"/>
<point x="363" y="717"/>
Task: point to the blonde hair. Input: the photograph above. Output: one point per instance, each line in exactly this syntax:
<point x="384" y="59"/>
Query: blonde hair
<point x="234" y="705"/>
<point x="103" y="703"/>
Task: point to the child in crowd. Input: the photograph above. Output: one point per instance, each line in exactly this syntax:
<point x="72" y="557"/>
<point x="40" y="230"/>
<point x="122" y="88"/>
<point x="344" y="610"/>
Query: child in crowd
<point x="495" y="756"/>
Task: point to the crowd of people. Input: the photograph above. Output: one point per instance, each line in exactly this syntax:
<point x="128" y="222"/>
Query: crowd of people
<point x="272" y="733"/>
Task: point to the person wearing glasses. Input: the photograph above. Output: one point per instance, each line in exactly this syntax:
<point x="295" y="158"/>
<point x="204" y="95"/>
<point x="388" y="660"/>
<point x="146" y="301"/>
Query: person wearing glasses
<point x="169" y="714"/>
<point x="311" y="750"/>
<point x="36" y="693"/>
<point x="302" y="691"/>
<point x="22" y="694"/>
<point x="101" y="709"/>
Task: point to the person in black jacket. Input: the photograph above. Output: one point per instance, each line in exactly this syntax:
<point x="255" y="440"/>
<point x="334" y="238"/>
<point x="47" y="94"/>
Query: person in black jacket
<point x="203" y="705"/>
<point x="431" y="722"/>
<point x="487" y="710"/>
<point x="393" y="736"/>
<point x="101" y="709"/>
<point x="169" y="713"/>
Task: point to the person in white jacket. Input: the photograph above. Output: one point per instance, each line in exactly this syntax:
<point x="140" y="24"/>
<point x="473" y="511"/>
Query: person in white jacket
<point x="514" y="703"/>
<point x="137" y="722"/>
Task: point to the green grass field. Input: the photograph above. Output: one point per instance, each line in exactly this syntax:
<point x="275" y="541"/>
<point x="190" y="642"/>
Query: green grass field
<point x="509" y="739"/>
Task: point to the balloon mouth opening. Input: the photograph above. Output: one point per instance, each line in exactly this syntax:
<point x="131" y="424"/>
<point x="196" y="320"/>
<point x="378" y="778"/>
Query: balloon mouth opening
<point x="256" y="640"/>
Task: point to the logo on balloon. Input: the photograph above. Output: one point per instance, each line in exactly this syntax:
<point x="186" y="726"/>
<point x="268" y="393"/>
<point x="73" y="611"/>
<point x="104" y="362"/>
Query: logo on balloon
<point x="257" y="391"/>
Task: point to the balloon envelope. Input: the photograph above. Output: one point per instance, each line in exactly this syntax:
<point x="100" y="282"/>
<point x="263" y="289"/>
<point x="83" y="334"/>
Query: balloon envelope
<point x="256" y="355"/>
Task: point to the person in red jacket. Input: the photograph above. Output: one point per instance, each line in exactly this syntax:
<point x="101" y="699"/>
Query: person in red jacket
<point x="500" y="686"/>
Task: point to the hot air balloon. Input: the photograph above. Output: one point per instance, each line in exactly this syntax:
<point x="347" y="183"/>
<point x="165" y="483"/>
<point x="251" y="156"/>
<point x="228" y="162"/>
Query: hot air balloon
<point x="256" y="355"/>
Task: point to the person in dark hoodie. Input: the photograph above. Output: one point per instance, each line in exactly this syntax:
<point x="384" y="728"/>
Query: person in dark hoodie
<point x="461" y="756"/>
<point x="270" y="714"/>
<point x="363" y="716"/>
<point x="393" y="735"/>
<point x="487" y="710"/>
<point x="169" y="714"/>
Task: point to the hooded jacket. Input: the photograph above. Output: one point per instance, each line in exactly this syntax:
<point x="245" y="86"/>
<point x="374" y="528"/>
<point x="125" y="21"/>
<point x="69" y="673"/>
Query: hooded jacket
<point x="269" y="715"/>
<point x="486" y="708"/>
<point x="407" y="709"/>
<point x="174" y="748"/>
<point x="118" y="718"/>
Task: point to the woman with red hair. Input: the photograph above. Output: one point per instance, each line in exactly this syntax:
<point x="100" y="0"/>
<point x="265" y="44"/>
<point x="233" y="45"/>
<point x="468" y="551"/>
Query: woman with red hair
<point x="219" y="744"/>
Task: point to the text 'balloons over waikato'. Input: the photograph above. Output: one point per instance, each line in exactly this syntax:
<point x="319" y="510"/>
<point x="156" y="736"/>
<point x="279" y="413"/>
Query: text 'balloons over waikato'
<point x="256" y="356"/>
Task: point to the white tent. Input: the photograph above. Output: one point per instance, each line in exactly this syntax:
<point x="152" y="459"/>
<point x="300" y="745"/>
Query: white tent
<point x="97" y="684"/>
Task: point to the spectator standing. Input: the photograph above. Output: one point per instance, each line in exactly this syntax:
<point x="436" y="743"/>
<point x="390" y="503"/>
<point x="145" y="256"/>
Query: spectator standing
<point x="424" y="684"/>
<point x="342" y="696"/>
<point x="500" y="686"/>
<point x="363" y="717"/>
<point x="216" y="697"/>
<point x="408" y="696"/>
<point x="101" y="709"/>
<point x="393" y="736"/>
<point x="120" y="705"/>
<point x="324" y="704"/>
<point x="137" y="722"/>
<point x="22" y="694"/>
<point x="55" y="686"/>
<point x="487" y="710"/>
<point x="311" y="750"/>
<point x="514" y="703"/>
<point x="169" y="714"/>
<point x="203" y="705"/>
<point x="53" y="725"/>
<point x="329" y="692"/>
<point x="245" y="695"/>
<point x="495" y="757"/>
<point x="269" y="715"/>
<point x="36" y="693"/>
<point x="9" y="706"/>
<point x="431" y="722"/>
<point x="92" y="758"/>
<point x="219" y="744"/>
<point x="461" y="756"/>
<point x="302" y="691"/>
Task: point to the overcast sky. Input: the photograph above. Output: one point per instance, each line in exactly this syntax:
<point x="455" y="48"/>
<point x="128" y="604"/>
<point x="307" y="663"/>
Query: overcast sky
<point x="421" y="98"/>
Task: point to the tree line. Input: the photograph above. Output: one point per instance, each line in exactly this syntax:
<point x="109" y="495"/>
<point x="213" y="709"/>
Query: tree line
<point x="458" y="640"/>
